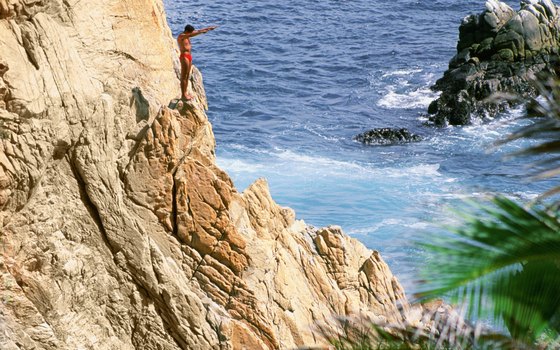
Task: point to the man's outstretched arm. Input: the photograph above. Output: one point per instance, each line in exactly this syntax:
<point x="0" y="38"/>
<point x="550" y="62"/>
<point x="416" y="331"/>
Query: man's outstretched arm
<point x="197" y="32"/>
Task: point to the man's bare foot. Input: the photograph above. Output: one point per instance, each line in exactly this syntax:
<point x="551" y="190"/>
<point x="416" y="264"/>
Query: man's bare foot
<point x="187" y="98"/>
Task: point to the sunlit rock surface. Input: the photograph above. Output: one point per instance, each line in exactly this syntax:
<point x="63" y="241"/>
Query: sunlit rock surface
<point x="118" y="229"/>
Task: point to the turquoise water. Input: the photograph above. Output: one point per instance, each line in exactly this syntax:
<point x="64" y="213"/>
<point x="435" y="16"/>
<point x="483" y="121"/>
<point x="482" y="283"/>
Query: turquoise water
<point x="289" y="84"/>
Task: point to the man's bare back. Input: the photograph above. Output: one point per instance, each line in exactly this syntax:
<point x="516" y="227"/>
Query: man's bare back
<point x="185" y="47"/>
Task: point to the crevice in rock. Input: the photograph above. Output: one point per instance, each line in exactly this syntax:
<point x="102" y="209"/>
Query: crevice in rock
<point x="231" y="294"/>
<point x="174" y="215"/>
<point x="222" y="340"/>
<point x="174" y="210"/>
<point x="199" y="265"/>
<point x="191" y="213"/>
<point x="29" y="47"/>
<point x="94" y="214"/>
<point x="3" y="69"/>
<point x="211" y="254"/>
<point x="371" y="291"/>
<point x="5" y="90"/>
<point x="183" y="159"/>
<point x="167" y="315"/>
<point x="124" y="54"/>
<point x="161" y="308"/>
<point x="311" y="278"/>
<point x="88" y="204"/>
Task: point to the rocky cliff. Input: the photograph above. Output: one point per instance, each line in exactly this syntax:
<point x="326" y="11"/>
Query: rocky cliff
<point x="118" y="231"/>
<point x="499" y="51"/>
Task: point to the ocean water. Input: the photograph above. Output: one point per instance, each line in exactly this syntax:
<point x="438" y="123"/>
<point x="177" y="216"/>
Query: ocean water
<point x="291" y="83"/>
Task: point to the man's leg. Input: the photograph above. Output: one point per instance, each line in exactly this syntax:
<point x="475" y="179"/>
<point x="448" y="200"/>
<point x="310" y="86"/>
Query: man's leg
<point x="185" y="76"/>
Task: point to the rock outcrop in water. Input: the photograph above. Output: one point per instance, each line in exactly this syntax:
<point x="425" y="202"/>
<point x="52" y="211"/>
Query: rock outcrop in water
<point x="499" y="50"/>
<point x="119" y="231"/>
<point x="387" y="136"/>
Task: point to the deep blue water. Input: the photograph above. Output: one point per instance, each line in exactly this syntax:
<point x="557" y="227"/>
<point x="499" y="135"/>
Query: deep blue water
<point x="290" y="83"/>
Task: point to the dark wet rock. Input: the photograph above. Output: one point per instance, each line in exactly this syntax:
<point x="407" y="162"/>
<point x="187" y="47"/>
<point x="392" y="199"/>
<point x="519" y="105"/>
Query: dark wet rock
<point x="499" y="51"/>
<point x="386" y="136"/>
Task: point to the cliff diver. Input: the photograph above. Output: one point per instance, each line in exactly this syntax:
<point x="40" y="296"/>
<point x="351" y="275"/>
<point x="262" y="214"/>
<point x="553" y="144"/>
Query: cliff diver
<point x="184" y="41"/>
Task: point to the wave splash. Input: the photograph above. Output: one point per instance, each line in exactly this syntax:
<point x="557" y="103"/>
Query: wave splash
<point x="405" y="89"/>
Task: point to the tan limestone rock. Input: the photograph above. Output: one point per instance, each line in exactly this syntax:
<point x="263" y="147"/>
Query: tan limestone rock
<point x="303" y="276"/>
<point x="118" y="230"/>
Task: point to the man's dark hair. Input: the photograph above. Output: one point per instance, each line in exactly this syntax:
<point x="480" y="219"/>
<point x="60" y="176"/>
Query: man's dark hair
<point x="189" y="28"/>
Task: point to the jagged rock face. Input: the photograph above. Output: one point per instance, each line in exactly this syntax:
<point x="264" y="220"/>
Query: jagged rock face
<point x="499" y="50"/>
<point x="118" y="229"/>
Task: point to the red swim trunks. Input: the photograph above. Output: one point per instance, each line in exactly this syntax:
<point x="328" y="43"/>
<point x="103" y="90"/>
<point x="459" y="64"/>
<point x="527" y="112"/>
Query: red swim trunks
<point x="186" y="55"/>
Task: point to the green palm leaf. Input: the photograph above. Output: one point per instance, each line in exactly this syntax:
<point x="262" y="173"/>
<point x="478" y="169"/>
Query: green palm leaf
<point x="506" y="264"/>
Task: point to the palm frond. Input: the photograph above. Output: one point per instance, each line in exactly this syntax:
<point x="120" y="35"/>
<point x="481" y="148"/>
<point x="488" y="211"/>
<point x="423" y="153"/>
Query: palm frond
<point x="506" y="264"/>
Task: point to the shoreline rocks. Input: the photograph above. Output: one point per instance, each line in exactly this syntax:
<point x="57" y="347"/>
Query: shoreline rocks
<point x="499" y="51"/>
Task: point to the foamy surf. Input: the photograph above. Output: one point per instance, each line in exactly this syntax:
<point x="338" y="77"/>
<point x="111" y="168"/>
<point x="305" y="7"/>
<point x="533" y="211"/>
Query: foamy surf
<point x="276" y="162"/>
<point x="391" y="222"/>
<point x="401" y="72"/>
<point x="420" y="98"/>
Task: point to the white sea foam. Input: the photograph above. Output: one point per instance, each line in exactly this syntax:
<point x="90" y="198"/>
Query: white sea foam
<point x="331" y="167"/>
<point x="319" y="163"/>
<point x="420" y="225"/>
<point x="287" y="163"/>
<point x="401" y="72"/>
<point x="410" y="223"/>
<point x="420" y="98"/>
<point x="375" y="227"/>
<point x="484" y="135"/>
<point x="430" y="170"/>
<point x="481" y="137"/>
<point x="240" y="166"/>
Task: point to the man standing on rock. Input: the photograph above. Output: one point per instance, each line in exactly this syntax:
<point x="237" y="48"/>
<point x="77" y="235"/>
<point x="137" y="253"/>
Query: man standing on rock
<point x="184" y="42"/>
